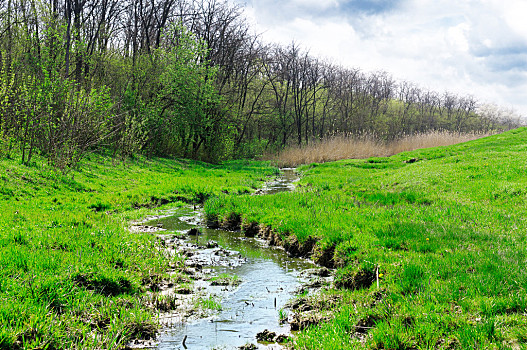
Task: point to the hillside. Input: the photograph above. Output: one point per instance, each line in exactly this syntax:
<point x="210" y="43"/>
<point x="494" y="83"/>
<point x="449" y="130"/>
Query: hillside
<point x="429" y="245"/>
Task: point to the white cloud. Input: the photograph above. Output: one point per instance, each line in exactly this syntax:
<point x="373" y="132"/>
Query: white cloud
<point x="513" y="13"/>
<point x="472" y="47"/>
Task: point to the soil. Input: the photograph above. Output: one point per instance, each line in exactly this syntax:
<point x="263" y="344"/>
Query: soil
<point x="308" y="249"/>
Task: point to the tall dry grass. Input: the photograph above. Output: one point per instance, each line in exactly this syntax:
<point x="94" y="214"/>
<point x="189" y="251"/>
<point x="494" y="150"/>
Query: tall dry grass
<point x="345" y="147"/>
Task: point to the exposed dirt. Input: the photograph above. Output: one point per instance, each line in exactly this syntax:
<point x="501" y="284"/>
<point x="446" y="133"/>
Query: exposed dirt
<point x="138" y="226"/>
<point x="266" y="336"/>
<point x="300" y="321"/>
<point x="358" y="279"/>
<point x="250" y="229"/>
<point x="141" y="344"/>
<point x="312" y="310"/>
<point x="248" y="347"/>
<point x="308" y="248"/>
<point x="145" y="228"/>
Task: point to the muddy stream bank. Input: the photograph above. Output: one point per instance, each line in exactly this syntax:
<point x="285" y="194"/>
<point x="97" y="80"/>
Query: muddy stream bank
<point x="241" y="283"/>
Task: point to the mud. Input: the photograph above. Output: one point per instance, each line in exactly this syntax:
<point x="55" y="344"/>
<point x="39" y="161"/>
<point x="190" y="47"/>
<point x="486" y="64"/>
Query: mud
<point x="307" y="249"/>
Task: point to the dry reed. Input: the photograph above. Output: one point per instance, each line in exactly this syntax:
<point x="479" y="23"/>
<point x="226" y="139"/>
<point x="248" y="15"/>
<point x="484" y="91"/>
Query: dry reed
<point x="345" y="147"/>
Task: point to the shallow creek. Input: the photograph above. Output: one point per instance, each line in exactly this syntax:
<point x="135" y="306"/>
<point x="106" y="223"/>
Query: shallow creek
<point x="268" y="279"/>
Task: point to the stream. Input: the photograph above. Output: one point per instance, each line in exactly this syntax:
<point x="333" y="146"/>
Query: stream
<point x="267" y="277"/>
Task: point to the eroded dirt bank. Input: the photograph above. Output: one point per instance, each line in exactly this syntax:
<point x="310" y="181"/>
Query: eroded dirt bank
<point x="234" y="271"/>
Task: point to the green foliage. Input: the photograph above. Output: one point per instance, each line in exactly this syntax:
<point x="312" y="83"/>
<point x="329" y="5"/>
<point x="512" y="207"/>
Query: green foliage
<point x="192" y="107"/>
<point x="209" y="303"/>
<point x="208" y="92"/>
<point x="411" y="279"/>
<point x="43" y="111"/>
<point x="282" y="315"/>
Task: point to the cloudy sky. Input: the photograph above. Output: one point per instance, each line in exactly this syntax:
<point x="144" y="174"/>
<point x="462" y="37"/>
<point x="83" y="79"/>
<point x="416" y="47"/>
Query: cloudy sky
<point x="470" y="47"/>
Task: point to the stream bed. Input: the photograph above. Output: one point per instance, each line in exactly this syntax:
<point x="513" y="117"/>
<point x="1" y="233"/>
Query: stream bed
<point x="266" y="278"/>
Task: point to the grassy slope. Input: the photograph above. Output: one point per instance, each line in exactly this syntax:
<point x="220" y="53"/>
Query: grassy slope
<point x="448" y="232"/>
<point x="71" y="275"/>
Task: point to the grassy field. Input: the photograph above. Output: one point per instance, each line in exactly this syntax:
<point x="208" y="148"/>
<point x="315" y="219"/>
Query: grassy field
<point x="443" y="231"/>
<point x="429" y="245"/>
<point x="71" y="274"/>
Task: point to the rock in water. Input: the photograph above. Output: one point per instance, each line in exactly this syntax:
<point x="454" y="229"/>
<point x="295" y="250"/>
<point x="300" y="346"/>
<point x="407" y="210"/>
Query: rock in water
<point x="248" y="347"/>
<point x="212" y="244"/>
<point x="193" y="232"/>
<point x="266" y="335"/>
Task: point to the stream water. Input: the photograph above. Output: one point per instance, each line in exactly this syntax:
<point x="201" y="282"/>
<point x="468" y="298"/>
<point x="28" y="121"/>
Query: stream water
<point x="268" y="278"/>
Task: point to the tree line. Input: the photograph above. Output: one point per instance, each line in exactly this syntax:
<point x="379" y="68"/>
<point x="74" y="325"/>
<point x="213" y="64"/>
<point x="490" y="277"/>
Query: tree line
<point x="189" y="78"/>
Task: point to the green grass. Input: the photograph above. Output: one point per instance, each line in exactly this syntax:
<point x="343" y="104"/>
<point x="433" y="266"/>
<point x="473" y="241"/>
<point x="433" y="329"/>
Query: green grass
<point x="447" y="232"/>
<point x="209" y="303"/>
<point x="224" y="279"/>
<point x="71" y="275"/>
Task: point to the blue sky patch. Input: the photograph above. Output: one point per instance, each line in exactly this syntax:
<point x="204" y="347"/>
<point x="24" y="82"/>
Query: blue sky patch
<point x="370" y="7"/>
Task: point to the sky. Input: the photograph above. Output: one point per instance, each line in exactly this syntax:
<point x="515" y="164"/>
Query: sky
<point x="468" y="47"/>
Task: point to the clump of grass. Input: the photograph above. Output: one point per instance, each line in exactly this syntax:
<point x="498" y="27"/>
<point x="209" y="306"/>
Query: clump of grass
<point x="282" y="316"/>
<point x="209" y="303"/>
<point x="225" y="280"/>
<point x="351" y="147"/>
<point x="353" y="278"/>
